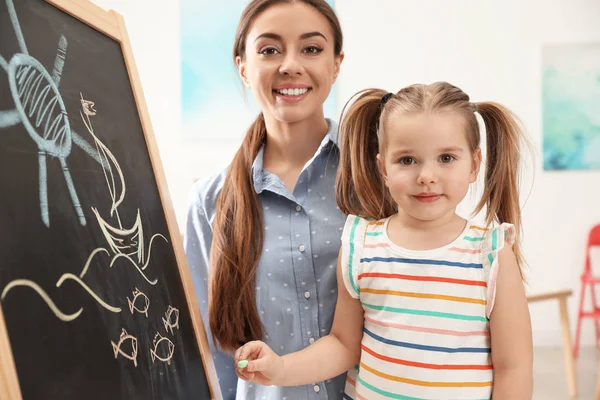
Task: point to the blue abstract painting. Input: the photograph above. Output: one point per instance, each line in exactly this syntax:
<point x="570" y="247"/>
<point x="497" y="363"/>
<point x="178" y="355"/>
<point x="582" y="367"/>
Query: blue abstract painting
<point x="571" y="106"/>
<point x="214" y="103"/>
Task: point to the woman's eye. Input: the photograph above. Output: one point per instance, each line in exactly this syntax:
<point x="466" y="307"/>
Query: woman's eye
<point x="313" y="50"/>
<point x="447" y="158"/>
<point x="268" y="51"/>
<point x="407" y="161"/>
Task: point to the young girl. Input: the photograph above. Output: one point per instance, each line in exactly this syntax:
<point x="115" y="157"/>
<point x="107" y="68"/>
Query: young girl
<point x="430" y="306"/>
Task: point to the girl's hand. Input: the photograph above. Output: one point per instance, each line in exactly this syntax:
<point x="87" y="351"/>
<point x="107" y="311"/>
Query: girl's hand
<point x="263" y="365"/>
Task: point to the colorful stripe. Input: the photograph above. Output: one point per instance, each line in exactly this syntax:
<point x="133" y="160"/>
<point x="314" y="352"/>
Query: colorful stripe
<point x="421" y="278"/>
<point x="478" y="228"/>
<point x="352" y="231"/>
<point x="474" y="239"/>
<point x="494" y="272"/>
<point x="421" y="262"/>
<point x="467" y="251"/>
<point x="392" y="395"/>
<point x="426" y="313"/>
<point x="425" y="383"/>
<point x="427" y="348"/>
<point x="374" y="233"/>
<point x="424" y="365"/>
<point x="424" y="296"/>
<point x="374" y="246"/>
<point x="381" y="223"/>
<point x="426" y="330"/>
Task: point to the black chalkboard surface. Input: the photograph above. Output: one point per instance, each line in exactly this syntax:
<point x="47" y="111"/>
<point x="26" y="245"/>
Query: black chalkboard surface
<point x="95" y="295"/>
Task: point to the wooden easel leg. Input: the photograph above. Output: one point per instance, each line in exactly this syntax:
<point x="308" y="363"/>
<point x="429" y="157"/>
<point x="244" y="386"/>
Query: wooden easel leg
<point x="567" y="346"/>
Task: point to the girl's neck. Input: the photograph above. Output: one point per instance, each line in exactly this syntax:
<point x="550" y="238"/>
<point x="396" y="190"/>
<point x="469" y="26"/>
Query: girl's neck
<point x="411" y="233"/>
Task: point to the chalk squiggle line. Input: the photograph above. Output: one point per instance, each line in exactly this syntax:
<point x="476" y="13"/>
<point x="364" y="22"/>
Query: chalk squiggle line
<point x="90" y="291"/>
<point x="150" y="249"/>
<point x="125" y="256"/>
<point x="89" y="260"/>
<point x="25" y="282"/>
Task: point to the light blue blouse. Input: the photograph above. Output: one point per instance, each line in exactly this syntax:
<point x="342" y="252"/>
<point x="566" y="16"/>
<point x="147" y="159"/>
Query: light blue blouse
<point x="296" y="288"/>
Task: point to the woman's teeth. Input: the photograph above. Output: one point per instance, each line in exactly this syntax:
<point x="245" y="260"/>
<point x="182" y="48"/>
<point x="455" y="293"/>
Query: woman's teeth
<point x="292" y="92"/>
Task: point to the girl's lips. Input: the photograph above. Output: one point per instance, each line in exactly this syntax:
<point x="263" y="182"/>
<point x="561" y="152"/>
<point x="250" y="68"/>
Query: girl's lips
<point x="427" y="197"/>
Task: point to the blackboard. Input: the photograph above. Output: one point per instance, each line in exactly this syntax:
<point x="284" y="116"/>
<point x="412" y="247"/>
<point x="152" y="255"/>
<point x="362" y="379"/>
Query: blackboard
<point x="96" y="299"/>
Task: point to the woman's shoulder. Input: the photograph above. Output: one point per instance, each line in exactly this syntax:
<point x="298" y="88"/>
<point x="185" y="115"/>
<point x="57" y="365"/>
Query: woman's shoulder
<point x="205" y="191"/>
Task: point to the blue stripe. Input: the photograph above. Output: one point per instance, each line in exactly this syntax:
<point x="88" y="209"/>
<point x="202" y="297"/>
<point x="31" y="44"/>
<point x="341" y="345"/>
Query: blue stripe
<point x="428" y="348"/>
<point x="417" y="261"/>
<point x="346" y="397"/>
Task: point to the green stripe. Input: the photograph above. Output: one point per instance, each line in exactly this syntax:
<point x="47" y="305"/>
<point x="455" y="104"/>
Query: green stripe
<point x="473" y="239"/>
<point x="384" y="393"/>
<point x="388" y="394"/>
<point x="426" y="313"/>
<point x="374" y="233"/>
<point x="356" y="221"/>
<point x="494" y="246"/>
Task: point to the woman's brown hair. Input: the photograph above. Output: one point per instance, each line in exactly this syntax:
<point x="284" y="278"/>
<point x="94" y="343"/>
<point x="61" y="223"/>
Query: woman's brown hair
<point x="360" y="187"/>
<point x="238" y="227"/>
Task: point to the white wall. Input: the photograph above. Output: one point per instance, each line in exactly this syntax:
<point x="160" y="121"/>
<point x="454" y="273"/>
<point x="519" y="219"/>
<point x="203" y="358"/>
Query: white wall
<point x="492" y="50"/>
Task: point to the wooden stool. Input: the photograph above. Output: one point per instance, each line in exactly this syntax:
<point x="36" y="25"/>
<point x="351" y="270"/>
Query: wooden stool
<point x="561" y="296"/>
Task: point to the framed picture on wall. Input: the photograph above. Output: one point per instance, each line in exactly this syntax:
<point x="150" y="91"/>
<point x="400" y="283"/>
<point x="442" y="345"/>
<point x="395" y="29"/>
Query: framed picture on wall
<point x="571" y="106"/>
<point x="211" y="91"/>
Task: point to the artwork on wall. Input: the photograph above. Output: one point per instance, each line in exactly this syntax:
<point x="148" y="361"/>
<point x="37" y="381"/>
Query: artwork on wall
<point x="571" y="106"/>
<point x="214" y="103"/>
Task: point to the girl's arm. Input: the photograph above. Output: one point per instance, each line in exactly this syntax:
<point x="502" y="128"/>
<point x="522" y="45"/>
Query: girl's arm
<point x="328" y="357"/>
<point x="510" y="326"/>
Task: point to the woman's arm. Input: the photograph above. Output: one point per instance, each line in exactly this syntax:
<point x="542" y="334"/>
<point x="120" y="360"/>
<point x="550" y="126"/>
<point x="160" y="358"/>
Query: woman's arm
<point x="510" y="325"/>
<point x="197" y="242"/>
<point x="328" y="357"/>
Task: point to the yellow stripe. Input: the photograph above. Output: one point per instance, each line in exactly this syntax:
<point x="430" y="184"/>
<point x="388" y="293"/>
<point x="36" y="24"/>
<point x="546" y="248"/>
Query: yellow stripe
<point x="424" y="296"/>
<point x="424" y="383"/>
<point x="478" y="228"/>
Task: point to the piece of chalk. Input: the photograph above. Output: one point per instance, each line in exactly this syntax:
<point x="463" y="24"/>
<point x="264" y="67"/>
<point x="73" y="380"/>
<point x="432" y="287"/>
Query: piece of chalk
<point x="243" y="364"/>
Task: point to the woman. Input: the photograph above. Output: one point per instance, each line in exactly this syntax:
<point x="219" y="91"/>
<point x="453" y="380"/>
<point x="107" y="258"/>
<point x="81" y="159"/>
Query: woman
<point x="268" y="227"/>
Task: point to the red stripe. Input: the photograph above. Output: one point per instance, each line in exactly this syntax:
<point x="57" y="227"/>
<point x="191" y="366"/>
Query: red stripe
<point x="423" y="365"/>
<point x="421" y="278"/>
<point x="350" y="381"/>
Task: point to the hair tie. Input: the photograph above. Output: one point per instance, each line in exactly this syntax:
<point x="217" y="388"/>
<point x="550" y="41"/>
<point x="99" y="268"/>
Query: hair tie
<point x="385" y="98"/>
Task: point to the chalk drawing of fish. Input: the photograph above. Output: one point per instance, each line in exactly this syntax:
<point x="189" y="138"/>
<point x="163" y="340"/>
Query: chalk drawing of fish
<point x="171" y="319"/>
<point x="125" y="337"/>
<point x="167" y="348"/>
<point x="140" y="305"/>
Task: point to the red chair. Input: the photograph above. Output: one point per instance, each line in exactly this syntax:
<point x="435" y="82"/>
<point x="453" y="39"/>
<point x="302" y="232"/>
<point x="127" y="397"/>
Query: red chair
<point x="588" y="280"/>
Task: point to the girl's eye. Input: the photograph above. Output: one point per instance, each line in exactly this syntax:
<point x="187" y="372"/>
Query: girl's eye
<point x="407" y="161"/>
<point x="447" y="158"/>
<point x="268" y="51"/>
<point x="313" y="50"/>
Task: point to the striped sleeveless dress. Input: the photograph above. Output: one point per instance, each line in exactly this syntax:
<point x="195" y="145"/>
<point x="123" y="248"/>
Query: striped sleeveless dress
<point x="426" y="333"/>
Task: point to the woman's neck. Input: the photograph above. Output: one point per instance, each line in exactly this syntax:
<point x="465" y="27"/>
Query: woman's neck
<point x="294" y="144"/>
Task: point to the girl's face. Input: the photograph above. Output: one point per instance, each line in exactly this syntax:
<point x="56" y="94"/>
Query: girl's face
<point x="427" y="163"/>
<point x="289" y="62"/>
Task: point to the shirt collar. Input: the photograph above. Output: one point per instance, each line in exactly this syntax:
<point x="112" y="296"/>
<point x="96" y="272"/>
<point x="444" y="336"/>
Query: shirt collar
<point x="262" y="178"/>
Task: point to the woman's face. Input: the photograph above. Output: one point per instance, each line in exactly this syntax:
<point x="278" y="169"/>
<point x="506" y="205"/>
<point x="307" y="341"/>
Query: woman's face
<point x="289" y="62"/>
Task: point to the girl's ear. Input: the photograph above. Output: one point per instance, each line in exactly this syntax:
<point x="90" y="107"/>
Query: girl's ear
<point x="476" y="165"/>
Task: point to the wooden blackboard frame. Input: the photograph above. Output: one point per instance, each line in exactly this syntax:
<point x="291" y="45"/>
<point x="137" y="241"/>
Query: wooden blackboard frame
<point x="112" y="25"/>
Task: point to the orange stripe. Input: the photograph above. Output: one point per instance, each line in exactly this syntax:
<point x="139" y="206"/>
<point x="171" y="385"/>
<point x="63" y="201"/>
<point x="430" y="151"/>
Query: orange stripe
<point x="478" y="228"/>
<point x="427" y="330"/>
<point x="424" y="296"/>
<point x="424" y="383"/>
<point x="463" y="250"/>
<point x="377" y="223"/>
<point x="421" y="278"/>
<point x="423" y="365"/>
